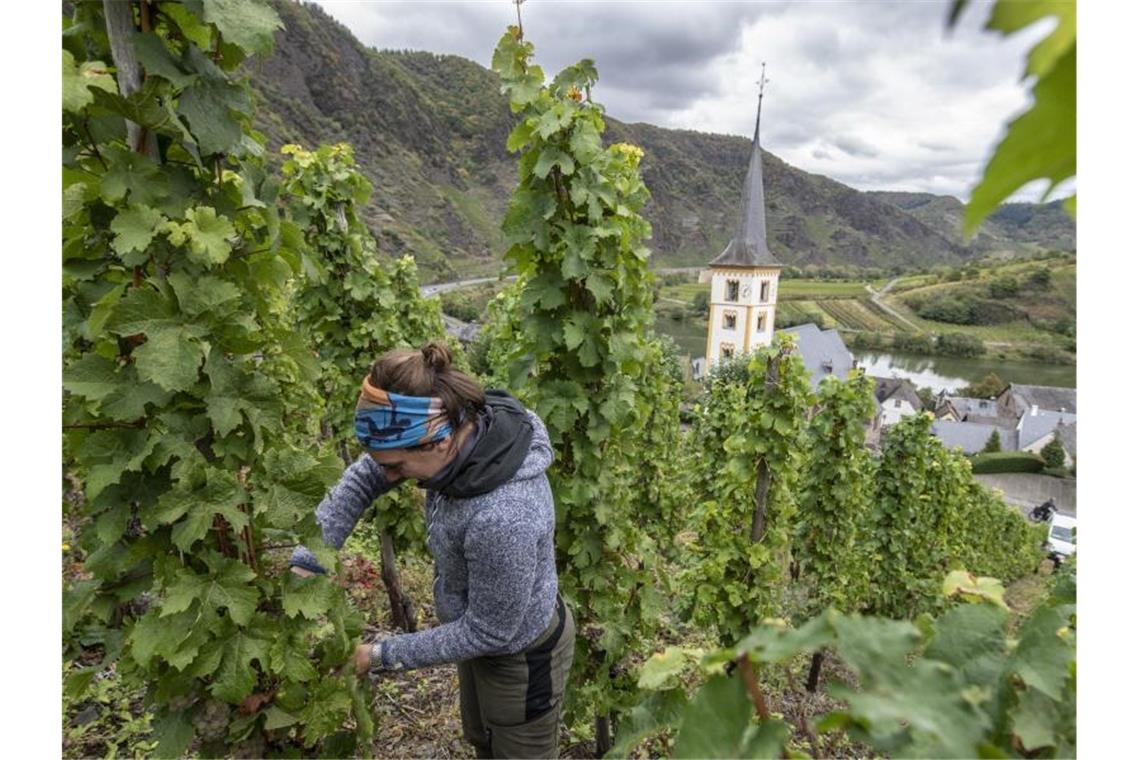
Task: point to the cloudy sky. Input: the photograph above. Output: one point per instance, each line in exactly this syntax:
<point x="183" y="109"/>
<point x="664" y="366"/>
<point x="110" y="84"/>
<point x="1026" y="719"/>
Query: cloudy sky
<point x="877" y="95"/>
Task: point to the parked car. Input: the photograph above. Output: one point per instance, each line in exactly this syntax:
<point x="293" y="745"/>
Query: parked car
<point x="1062" y="541"/>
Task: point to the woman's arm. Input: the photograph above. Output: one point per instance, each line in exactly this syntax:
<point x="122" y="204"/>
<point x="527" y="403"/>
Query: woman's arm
<point x="340" y="510"/>
<point x="501" y="557"/>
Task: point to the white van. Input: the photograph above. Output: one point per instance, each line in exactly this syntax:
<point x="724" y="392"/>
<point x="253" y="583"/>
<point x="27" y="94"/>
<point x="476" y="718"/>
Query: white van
<point x="1062" y="536"/>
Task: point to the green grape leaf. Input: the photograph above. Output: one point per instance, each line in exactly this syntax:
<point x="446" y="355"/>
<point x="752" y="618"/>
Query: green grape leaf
<point x="276" y="718"/>
<point x="520" y="136"/>
<point x="971" y="587"/>
<point x="206" y="106"/>
<point x="1009" y="16"/>
<point x="174" y="732"/>
<point x="236" y="678"/>
<point x="1044" y="653"/>
<point x="142" y="310"/>
<point x="134" y="174"/>
<point x="661" y="670"/>
<point x="134" y="228"/>
<point x="586" y="142"/>
<point x="766" y="740"/>
<point x="715" y="720"/>
<point x="227" y="587"/>
<point x="130" y="399"/>
<point x="1041" y="143"/>
<point x="206" y="233"/>
<point x="170" y="358"/>
<point x="77" y="80"/>
<point x="328" y="705"/>
<point x="156" y="59"/>
<point x="658" y="711"/>
<point x="551" y="157"/>
<point x="1035" y="721"/>
<point x="971" y="638"/>
<point x="147" y="636"/>
<point x="289" y="660"/>
<point x="308" y="597"/>
<point x="246" y="23"/>
<point x="143" y="107"/>
<point x="91" y="377"/>
<point x="778" y="643"/>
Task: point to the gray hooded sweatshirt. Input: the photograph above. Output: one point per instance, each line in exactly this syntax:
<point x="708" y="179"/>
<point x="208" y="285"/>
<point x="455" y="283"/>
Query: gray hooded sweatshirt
<point x="495" y="581"/>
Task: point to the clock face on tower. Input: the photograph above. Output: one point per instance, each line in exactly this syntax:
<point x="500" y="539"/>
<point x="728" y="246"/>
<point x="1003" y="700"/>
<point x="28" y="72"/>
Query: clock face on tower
<point x="746" y="291"/>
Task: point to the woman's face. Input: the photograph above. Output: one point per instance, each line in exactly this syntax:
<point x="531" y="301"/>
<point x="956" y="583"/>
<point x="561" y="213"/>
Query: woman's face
<point x="419" y="463"/>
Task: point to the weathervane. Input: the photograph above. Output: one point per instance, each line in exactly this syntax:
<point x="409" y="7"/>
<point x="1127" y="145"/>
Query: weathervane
<point x="761" y="81"/>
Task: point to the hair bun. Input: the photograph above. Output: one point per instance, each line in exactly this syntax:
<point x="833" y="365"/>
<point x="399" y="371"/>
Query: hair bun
<point x="437" y="356"/>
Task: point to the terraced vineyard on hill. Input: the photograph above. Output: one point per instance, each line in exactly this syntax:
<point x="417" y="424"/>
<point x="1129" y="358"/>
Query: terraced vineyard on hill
<point x="1023" y="308"/>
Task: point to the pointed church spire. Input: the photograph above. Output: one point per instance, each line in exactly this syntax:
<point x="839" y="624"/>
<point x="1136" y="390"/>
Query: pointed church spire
<point x="749" y="248"/>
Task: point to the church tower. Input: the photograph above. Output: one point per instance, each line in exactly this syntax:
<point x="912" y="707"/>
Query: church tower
<point x="745" y="276"/>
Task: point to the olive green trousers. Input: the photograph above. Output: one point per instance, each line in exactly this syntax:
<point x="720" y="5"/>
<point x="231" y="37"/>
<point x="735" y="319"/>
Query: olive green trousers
<point x="511" y="705"/>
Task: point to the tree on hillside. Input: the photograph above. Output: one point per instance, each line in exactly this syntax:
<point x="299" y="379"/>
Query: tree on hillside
<point x="1004" y="287"/>
<point x="993" y="444"/>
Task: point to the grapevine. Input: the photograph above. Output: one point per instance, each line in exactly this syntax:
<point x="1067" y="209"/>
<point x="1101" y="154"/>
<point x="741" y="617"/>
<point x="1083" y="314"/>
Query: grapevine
<point x="574" y="347"/>
<point x="185" y="389"/>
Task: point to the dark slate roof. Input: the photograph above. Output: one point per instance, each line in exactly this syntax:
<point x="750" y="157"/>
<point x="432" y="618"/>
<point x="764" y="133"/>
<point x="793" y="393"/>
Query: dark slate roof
<point x="887" y="388"/>
<point x="1034" y="427"/>
<point x="971" y="436"/>
<point x="749" y="248"/>
<point x="823" y="352"/>
<point x="1045" y="397"/>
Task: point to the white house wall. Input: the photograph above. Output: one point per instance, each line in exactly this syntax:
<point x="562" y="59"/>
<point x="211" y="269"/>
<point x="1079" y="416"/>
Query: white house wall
<point x="892" y="414"/>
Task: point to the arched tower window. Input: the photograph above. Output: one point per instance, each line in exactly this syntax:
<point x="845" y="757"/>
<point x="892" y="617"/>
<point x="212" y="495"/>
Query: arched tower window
<point x="732" y="290"/>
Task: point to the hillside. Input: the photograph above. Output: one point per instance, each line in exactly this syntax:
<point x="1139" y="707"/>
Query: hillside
<point x="429" y="131"/>
<point x="1013" y="228"/>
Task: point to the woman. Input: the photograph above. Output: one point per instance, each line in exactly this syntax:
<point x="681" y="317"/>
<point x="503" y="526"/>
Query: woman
<point x="490" y="514"/>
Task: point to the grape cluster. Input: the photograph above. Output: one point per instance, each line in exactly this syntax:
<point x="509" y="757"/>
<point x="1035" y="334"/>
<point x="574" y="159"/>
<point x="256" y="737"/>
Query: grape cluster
<point x="212" y="720"/>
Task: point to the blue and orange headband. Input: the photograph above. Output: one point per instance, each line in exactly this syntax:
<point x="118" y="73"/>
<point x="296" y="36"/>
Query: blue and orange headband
<point x="390" y="421"/>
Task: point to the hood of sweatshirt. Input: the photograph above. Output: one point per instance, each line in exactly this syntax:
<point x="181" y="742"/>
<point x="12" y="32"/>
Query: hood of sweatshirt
<point x="508" y="443"/>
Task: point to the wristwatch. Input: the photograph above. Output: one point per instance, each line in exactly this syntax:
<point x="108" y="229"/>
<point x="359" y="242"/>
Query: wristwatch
<point x="376" y="661"/>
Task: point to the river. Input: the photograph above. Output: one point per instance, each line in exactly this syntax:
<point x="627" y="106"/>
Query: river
<point x="935" y="372"/>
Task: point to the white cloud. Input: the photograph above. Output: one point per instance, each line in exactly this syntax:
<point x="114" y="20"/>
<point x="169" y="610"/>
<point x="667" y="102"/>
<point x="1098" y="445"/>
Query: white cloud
<point x="877" y="95"/>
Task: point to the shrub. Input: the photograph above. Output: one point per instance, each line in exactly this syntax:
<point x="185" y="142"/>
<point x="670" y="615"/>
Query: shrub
<point x="1004" y="287"/>
<point x="993" y="312"/>
<point x="700" y="303"/>
<point x="1006" y="461"/>
<point x="959" y="344"/>
<point x="993" y="444"/>
<point x="917" y="344"/>
<point x="675" y="278"/>
<point x="956" y="311"/>
<point x="1040" y="279"/>
<point x="1053" y="454"/>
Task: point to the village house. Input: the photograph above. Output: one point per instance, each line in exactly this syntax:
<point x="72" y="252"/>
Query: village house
<point x="1027" y="418"/>
<point x="897" y="398"/>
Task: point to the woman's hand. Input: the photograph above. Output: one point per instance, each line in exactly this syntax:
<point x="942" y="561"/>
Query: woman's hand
<point x="362" y="658"/>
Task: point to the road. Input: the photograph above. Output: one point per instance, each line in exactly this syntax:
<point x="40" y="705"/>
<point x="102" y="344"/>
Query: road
<point x="443" y="287"/>
<point x="877" y="294"/>
<point x="436" y="288"/>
